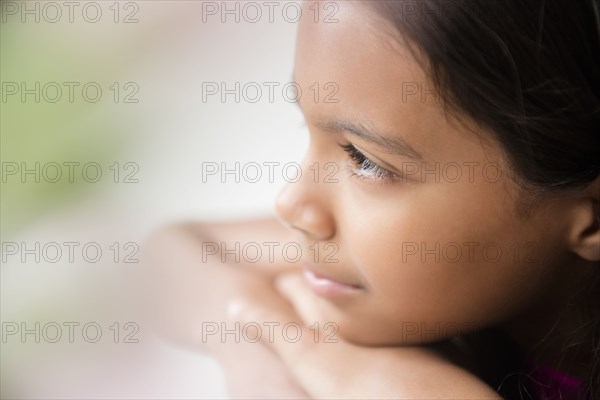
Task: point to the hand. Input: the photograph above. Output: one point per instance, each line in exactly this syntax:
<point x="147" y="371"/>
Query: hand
<point x="252" y="371"/>
<point x="339" y="369"/>
<point x="187" y="296"/>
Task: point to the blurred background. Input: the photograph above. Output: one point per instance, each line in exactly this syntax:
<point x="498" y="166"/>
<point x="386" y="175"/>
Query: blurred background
<point x="112" y="123"/>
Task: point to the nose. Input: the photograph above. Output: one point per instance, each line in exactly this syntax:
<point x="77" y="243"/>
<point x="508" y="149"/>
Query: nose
<point x="304" y="205"/>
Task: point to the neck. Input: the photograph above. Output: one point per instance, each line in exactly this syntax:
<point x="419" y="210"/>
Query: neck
<point x="554" y="332"/>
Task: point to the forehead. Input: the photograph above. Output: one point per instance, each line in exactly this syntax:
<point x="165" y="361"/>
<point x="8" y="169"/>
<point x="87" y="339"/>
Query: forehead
<point x="358" y="50"/>
<point x="378" y="80"/>
<point x="376" y="75"/>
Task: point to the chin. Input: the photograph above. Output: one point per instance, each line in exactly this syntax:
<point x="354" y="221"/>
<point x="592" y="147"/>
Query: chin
<point x="368" y="334"/>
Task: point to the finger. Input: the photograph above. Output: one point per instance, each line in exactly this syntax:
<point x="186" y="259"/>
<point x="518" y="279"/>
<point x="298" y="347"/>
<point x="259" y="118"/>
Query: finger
<point x="303" y="352"/>
<point x="279" y="328"/>
<point x="307" y="305"/>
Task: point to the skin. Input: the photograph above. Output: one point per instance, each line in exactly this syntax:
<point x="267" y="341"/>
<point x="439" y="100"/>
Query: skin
<point x="373" y="220"/>
<point x="401" y="301"/>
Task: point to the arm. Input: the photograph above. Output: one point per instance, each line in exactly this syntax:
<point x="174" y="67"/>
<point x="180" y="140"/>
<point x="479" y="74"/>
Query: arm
<point x="339" y="369"/>
<point x="199" y="292"/>
<point x="190" y="289"/>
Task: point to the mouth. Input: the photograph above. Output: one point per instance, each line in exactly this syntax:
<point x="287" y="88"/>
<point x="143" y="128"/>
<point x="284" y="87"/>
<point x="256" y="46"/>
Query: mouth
<point x="327" y="286"/>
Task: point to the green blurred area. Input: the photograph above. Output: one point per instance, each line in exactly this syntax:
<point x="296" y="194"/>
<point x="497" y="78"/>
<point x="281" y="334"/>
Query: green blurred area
<point x="46" y="132"/>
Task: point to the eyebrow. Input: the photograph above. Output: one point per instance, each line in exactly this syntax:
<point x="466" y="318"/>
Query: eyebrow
<point x="389" y="144"/>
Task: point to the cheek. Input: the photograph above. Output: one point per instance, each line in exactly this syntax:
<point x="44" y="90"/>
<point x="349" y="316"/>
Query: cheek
<point x="444" y="257"/>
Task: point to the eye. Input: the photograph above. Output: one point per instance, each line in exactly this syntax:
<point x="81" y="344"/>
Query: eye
<point x="364" y="168"/>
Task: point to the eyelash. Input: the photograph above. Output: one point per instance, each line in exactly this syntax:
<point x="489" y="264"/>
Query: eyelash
<point x="365" y="168"/>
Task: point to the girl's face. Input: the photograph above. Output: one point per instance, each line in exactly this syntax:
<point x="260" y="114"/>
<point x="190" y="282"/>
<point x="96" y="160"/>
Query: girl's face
<point x="414" y="215"/>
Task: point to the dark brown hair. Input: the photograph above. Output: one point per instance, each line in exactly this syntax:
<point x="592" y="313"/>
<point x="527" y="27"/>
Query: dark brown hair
<point x="533" y="72"/>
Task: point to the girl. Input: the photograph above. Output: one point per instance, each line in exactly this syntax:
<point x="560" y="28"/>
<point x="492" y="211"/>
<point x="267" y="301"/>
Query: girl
<point x="447" y="212"/>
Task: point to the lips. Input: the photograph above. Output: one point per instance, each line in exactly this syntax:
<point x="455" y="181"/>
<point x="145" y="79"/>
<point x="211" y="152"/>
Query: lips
<point x="329" y="286"/>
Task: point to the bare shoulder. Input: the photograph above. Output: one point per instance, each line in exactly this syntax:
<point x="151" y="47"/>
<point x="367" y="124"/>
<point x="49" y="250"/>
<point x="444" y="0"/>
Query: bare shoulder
<point x="427" y="374"/>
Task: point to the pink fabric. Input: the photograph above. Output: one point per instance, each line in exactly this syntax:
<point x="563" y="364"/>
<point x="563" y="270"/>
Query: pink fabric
<point x="552" y="384"/>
